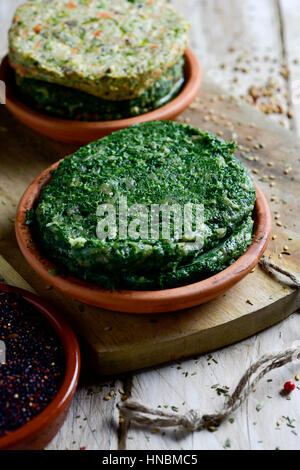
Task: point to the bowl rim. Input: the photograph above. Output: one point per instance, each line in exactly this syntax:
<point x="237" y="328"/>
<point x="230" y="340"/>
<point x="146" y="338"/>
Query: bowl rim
<point x="67" y="389"/>
<point x="173" y="107"/>
<point x="139" y="302"/>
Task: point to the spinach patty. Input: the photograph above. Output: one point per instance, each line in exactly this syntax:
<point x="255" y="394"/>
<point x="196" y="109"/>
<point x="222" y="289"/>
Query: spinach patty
<point x="152" y="163"/>
<point x="113" y="49"/>
<point x="68" y="103"/>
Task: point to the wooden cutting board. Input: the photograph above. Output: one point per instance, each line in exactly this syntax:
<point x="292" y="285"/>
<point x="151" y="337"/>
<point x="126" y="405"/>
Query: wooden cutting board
<point x="117" y="342"/>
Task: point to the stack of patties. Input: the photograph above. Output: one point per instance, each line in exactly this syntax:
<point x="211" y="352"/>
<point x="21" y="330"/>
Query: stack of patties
<point x="158" y="164"/>
<point x="97" y="59"/>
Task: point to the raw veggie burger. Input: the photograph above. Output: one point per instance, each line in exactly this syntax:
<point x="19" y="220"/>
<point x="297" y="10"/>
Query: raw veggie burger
<point x="114" y="50"/>
<point x="157" y="164"/>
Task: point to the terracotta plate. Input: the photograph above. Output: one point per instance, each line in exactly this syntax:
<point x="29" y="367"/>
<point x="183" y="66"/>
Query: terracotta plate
<point x="168" y="300"/>
<point x="36" y="434"/>
<point x="79" y="133"/>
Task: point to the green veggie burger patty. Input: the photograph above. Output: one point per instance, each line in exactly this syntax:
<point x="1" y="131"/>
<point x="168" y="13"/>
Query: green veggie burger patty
<point x="151" y="163"/>
<point x="203" y="266"/>
<point x="68" y="103"/>
<point x="115" y="50"/>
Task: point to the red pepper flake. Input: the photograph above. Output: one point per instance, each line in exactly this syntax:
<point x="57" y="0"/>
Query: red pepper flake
<point x="37" y="28"/>
<point x="72" y="5"/>
<point x="104" y="15"/>
<point x="155" y="46"/>
<point x="289" y="386"/>
<point x="98" y="33"/>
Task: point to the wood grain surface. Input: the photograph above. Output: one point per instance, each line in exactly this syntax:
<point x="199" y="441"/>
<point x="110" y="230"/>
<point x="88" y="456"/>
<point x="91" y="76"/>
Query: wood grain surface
<point x="226" y="33"/>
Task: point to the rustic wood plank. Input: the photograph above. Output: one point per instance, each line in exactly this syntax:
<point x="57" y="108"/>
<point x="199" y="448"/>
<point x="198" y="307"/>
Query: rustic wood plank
<point x="11" y="277"/>
<point x="92" y="422"/>
<point x="7" y="10"/>
<point x="290" y="15"/>
<point x="252" y="429"/>
<point x="239" y="45"/>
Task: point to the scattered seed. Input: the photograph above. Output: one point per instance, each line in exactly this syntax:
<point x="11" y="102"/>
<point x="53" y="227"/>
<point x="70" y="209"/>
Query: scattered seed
<point x="212" y="428"/>
<point x="259" y="407"/>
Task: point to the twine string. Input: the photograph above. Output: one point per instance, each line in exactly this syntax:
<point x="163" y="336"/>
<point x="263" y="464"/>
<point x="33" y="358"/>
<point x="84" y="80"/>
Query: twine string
<point x="269" y="266"/>
<point x="195" y="420"/>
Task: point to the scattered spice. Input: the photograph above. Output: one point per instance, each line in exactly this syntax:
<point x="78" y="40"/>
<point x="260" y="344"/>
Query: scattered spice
<point x="227" y="444"/>
<point x="259" y="407"/>
<point x="212" y="428"/>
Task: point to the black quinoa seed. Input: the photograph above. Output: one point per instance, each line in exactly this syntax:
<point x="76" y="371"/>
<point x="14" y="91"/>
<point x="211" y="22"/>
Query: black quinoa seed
<point x="34" y="368"/>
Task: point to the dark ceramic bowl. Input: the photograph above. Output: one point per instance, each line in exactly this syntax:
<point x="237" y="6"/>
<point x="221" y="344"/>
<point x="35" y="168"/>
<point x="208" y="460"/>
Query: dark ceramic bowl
<point x="80" y="133"/>
<point x="36" y="434"/>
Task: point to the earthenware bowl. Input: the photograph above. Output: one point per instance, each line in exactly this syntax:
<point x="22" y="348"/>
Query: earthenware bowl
<point x="139" y="301"/>
<point x="36" y="434"/>
<point x="80" y="133"/>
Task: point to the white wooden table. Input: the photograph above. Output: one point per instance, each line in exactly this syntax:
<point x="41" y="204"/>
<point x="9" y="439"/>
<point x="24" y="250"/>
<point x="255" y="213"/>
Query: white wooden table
<point x="239" y="43"/>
